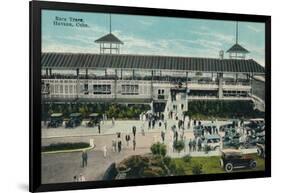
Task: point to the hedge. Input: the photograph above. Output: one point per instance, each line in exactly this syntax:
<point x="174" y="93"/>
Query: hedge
<point x="118" y="111"/>
<point x="64" y="146"/>
<point x="222" y="109"/>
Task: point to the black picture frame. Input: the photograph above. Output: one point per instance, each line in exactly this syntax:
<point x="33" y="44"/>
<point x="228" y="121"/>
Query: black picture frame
<point x="35" y="94"/>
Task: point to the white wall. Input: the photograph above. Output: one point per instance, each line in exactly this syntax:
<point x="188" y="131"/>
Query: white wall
<point x="14" y="94"/>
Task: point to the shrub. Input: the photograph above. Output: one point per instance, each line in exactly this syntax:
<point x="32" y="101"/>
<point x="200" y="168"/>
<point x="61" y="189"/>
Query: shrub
<point x="153" y="171"/>
<point x="112" y="110"/>
<point x="158" y="149"/>
<point x="149" y="173"/>
<point x="222" y="109"/>
<point x="179" y="145"/>
<point x="197" y="169"/>
<point x="64" y="146"/>
<point x="207" y="148"/>
<point x="187" y="158"/>
<point x="134" y="165"/>
<point x="176" y="168"/>
<point x="167" y="160"/>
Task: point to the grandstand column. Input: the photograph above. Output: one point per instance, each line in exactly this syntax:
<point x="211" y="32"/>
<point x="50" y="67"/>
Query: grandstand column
<point x="151" y="86"/>
<point x="251" y="76"/>
<point x="133" y="75"/>
<point x="151" y="92"/>
<point x="78" y="83"/>
<point x="115" y="85"/>
<point x="86" y="73"/>
<point x="186" y="79"/>
<point x="220" y="79"/>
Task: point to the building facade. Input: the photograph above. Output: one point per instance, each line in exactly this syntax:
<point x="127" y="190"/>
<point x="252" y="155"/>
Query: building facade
<point x="144" y="79"/>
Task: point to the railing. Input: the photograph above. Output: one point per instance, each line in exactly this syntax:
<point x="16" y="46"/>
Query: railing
<point x="216" y="98"/>
<point x="161" y="97"/>
<point x="174" y="80"/>
<point x="259" y="103"/>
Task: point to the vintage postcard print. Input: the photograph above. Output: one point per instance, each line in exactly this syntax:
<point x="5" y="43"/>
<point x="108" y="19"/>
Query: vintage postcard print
<point x="130" y="96"/>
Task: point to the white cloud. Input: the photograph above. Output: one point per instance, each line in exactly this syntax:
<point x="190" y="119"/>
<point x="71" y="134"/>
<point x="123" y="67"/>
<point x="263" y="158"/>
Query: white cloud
<point x="208" y="45"/>
<point x="255" y="29"/>
<point x="146" y="22"/>
<point x="136" y="45"/>
<point x="76" y="43"/>
<point x="215" y="36"/>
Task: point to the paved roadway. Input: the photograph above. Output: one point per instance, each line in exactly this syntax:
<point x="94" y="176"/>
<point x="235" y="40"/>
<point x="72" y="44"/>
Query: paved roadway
<point x="61" y="167"/>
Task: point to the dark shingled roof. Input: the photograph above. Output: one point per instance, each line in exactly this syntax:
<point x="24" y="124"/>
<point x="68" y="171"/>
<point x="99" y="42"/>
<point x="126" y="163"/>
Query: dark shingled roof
<point x="109" y="38"/>
<point x="77" y="60"/>
<point x="237" y="48"/>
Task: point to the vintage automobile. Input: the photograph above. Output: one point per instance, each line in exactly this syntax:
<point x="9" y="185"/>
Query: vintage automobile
<point x="211" y="128"/>
<point x="198" y="130"/>
<point x="234" y="159"/>
<point x="213" y="141"/>
<point x="56" y="120"/>
<point x="229" y="142"/>
<point x="95" y="119"/>
<point x="208" y="128"/>
<point x="75" y="119"/>
<point x="232" y="133"/>
<point x="251" y="141"/>
<point x="232" y="125"/>
<point x="256" y="125"/>
<point x="261" y="150"/>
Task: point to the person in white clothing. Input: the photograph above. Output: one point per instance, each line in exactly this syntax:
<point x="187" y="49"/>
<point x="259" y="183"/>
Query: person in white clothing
<point x="81" y="178"/>
<point x="104" y="151"/>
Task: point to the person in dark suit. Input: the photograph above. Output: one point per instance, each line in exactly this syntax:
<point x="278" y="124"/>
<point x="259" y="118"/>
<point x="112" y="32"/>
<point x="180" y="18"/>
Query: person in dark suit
<point x="190" y="145"/>
<point x="119" y="144"/>
<point x="127" y="138"/>
<point x="176" y="135"/>
<point x="134" y="144"/>
<point x="134" y="130"/>
<point x="163" y="136"/>
<point x="84" y="159"/>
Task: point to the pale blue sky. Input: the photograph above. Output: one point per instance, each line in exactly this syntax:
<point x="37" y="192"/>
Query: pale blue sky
<point x="152" y="35"/>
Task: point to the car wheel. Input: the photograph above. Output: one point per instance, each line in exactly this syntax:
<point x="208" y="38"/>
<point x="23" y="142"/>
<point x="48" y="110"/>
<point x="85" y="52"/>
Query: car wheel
<point x="246" y="145"/>
<point x="253" y="164"/>
<point x="228" y="167"/>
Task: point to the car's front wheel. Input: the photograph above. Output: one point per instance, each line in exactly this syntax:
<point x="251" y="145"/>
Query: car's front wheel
<point x="229" y="167"/>
<point x="217" y="148"/>
<point x="253" y="164"/>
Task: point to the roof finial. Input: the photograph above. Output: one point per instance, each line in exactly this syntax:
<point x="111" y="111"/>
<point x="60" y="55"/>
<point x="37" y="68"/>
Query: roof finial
<point x="236" y="32"/>
<point x="110" y="23"/>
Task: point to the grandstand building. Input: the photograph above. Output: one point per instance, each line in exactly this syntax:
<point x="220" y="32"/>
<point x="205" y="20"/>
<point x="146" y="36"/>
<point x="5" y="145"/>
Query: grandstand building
<point x="109" y="76"/>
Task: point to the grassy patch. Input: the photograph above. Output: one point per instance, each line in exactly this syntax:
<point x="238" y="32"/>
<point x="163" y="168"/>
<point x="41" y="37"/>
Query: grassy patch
<point x="211" y="165"/>
<point x="64" y="146"/>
